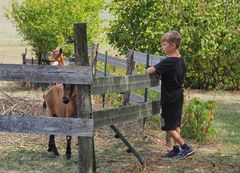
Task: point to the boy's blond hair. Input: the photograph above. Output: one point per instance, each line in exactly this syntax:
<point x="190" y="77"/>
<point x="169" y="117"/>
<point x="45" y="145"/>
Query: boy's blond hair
<point x="172" y="37"/>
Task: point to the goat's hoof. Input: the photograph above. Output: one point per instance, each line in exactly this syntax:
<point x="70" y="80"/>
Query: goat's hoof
<point x="68" y="157"/>
<point x="49" y="149"/>
<point x="56" y="153"/>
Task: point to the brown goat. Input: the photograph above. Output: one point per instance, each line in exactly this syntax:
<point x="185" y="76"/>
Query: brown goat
<point x="60" y="101"/>
<point x="56" y="56"/>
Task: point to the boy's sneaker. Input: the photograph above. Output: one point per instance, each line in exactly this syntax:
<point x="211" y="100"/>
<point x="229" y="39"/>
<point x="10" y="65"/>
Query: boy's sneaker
<point x="173" y="153"/>
<point x="185" y="153"/>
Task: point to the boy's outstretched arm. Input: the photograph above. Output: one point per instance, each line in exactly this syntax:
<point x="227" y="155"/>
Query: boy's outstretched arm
<point x="150" y="70"/>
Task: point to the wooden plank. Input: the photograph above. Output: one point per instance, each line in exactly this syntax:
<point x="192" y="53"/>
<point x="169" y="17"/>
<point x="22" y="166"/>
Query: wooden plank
<point x="155" y="59"/>
<point x="140" y="57"/>
<point x="122" y="83"/>
<point x="121" y="63"/>
<point x="156" y="88"/>
<point x="125" y="113"/>
<point x="46" y="125"/>
<point x="135" y="99"/>
<point x="45" y="74"/>
<point x="23" y="58"/>
<point x="84" y="105"/>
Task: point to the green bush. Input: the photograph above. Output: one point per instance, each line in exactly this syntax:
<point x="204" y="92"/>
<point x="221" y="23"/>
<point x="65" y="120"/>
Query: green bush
<point x="210" y="32"/>
<point x="198" y="116"/>
<point x="47" y="24"/>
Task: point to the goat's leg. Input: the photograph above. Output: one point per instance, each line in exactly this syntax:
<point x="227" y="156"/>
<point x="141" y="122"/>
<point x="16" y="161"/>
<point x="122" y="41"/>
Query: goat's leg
<point x="50" y="143"/>
<point x="68" y="149"/>
<point x="52" y="146"/>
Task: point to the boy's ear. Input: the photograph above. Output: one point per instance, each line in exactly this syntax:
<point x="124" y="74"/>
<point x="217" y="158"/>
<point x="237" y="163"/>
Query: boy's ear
<point x="174" y="45"/>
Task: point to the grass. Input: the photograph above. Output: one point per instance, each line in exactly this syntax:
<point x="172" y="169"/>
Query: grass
<point x="25" y="160"/>
<point x="227" y="123"/>
<point x="227" y="126"/>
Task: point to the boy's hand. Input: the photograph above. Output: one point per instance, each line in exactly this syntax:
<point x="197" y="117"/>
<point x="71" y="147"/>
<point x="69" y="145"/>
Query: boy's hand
<point x="150" y="70"/>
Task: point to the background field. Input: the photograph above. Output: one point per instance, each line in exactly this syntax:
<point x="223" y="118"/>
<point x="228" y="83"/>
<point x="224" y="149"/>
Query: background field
<point x="11" y="44"/>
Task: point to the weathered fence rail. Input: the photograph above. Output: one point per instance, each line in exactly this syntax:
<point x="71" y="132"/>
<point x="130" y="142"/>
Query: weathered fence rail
<point x="102" y="85"/>
<point x="45" y="74"/>
<point x="75" y="75"/>
<point x="139" y="57"/>
<point x="125" y="113"/>
<point x="121" y="63"/>
<point x="46" y="125"/>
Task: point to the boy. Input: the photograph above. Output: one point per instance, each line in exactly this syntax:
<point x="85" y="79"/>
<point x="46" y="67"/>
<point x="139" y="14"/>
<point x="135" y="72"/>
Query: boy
<point x="172" y="71"/>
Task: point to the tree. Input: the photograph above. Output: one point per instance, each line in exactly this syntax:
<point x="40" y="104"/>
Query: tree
<point x="46" y="24"/>
<point x="210" y="32"/>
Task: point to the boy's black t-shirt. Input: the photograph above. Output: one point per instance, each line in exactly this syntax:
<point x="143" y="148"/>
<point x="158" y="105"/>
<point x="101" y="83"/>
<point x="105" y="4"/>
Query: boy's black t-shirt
<point x="172" y="71"/>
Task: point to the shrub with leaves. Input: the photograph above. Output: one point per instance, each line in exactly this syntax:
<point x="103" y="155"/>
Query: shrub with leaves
<point x="198" y="116"/>
<point x="210" y="32"/>
<point x="46" y="24"/>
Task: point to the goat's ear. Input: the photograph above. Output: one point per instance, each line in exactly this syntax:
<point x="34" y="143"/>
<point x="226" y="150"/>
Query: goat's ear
<point x="60" y="50"/>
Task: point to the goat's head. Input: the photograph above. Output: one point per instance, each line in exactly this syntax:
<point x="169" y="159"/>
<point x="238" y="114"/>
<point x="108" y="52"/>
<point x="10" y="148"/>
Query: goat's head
<point x="53" y="55"/>
<point x="69" y="92"/>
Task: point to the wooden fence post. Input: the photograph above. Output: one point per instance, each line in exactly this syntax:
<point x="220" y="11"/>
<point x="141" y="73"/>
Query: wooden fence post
<point x="94" y="71"/>
<point x="105" y="74"/>
<point x="146" y="89"/>
<point x="23" y="58"/>
<point x="84" y="105"/>
<point x="129" y="71"/>
<point x="94" y="59"/>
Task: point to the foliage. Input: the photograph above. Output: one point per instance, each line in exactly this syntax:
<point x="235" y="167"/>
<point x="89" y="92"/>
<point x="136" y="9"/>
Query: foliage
<point x="46" y="24"/>
<point x="198" y="118"/>
<point x="210" y="32"/>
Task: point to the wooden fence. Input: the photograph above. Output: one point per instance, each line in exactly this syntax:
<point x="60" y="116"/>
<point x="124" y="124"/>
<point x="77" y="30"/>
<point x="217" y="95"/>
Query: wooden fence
<point x="87" y="83"/>
<point x="82" y="76"/>
<point x="128" y="65"/>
